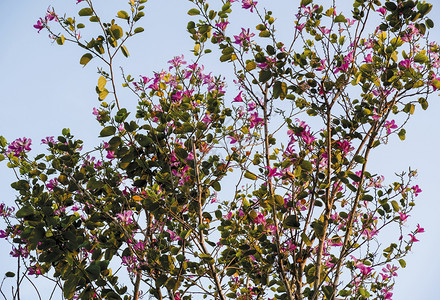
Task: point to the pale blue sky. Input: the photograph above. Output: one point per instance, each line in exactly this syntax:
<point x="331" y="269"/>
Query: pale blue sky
<point x="44" y="89"/>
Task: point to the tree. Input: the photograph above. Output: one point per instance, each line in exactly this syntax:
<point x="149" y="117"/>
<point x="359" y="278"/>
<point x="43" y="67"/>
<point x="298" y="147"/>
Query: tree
<point x="305" y="218"/>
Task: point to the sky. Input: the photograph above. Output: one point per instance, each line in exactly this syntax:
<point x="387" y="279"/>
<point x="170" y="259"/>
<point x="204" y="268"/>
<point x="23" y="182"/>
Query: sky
<point x="44" y="89"/>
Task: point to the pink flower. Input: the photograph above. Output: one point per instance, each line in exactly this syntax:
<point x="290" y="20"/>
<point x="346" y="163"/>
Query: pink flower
<point x="40" y="25"/>
<point x="413" y="238"/>
<point x="344" y="146"/>
<point x="47" y="140"/>
<point x="300" y="27"/>
<point x="177" y="61"/>
<point x="382" y="10"/>
<point x="125" y="217"/>
<point x="222" y="26"/>
<point x="272" y="172"/>
<point x="406" y="63"/>
<point x="403" y="217"/>
<point x="110" y="155"/>
<point x="390" y="269"/>
<point x="390" y="125"/>
<point x="206" y="119"/>
<point x="244" y="38"/>
<point x="416" y="190"/>
<point x="78" y="1"/>
<point x="420" y="229"/>
<point x="368" y="58"/>
<point x="238" y="98"/>
<point x="51" y="184"/>
<point x="19" y="147"/>
<point x="233" y="139"/>
<point x="363" y="268"/>
<point x="255" y="120"/>
<point x="249" y="4"/>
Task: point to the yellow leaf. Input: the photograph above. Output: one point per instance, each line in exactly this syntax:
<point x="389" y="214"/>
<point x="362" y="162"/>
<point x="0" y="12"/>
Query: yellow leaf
<point x="103" y="94"/>
<point x="101" y="83"/>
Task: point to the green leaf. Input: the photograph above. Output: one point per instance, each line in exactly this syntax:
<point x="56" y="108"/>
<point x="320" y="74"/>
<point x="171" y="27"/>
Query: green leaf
<point x="340" y="19"/>
<point x="291" y="222"/>
<point x="60" y="40"/>
<point x="422" y="102"/>
<point x="124" y="51"/>
<point x="116" y="31"/>
<point x="69" y="286"/>
<point x="101" y="83"/>
<point x="107" y="131"/>
<point x="93" y="271"/>
<point x="24" y="212"/>
<point x="420" y="58"/>
<point x="85" y="59"/>
<point x="3" y="141"/>
<point x="429" y="23"/>
<point x="138" y="16"/>
<point x="194" y="12"/>
<point x="265" y="33"/>
<point x="138" y="30"/>
<point x="94" y="19"/>
<point x="9" y="274"/>
<point x="123" y="15"/>
<point x="359" y="159"/>
<point x="306" y="2"/>
<point x="395" y="205"/>
<point x="306" y="240"/>
<point x="364" y="293"/>
<point x="216" y="186"/>
<point x="85" y="12"/>
<point x="264" y="76"/>
<point x="181" y="153"/>
<point x="250" y="175"/>
<point x="402" y="263"/>
<point x="401" y="134"/>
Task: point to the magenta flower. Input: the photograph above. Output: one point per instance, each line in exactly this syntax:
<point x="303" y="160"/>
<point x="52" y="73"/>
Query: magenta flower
<point x="125" y="217"/>
<point x="110" y="155"/>
<point x="47" y="140"/>
<point x="406" y="63"/>
<point x="420" y="229"/>
<point x="368" y="58"/>
<point x="177" y="61"/>
<point x="272" y="172"/>
<point x="382" y="11"/>
<point x="244" y="38"/>
<point x="300" y="27"/>
<point x="238" y="98"/>
<point x="390" y="269"/>
<point x="19" y="147"/>
<point x="344" y="146"/>
<point x="363" y="268"/>
<point x="233" y="139"/>
<point x="51" y="184"/>
<point x="255" y="120"/>
<point x="222" y="26"/>
<point x="40" y="25"/>
<point x="3" y="234"/>
<point x="50" y="15"/>
<point x="207" y="119"/>
<point x="413" y="238"/>
<point x="249" y="4"/>
<point x="416" y="190"/>
<point x="403" y="217"/>
<point x="390" y="125"/>
<point x="78" y="1"/>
